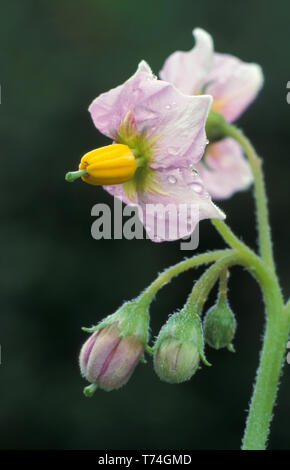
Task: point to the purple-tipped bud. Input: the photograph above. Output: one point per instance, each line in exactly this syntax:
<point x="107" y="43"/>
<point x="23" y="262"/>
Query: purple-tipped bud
<point x="107" y="360"/>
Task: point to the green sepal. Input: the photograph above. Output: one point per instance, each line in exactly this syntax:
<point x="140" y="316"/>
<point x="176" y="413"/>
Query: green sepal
<point x="132" y="318"/>
<point x="149" y="350"/>
<point x="143" y="359"/>
<point x="215" y="126"/>
<point x="91" y="329"/>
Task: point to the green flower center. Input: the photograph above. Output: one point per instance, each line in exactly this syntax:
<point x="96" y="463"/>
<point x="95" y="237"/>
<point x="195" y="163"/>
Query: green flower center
<point x="141" y="146"/>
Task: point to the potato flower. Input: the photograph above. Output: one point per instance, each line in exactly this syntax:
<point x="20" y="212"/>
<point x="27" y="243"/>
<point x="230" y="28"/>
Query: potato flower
<point x="233" y="84"/>
<point x="158" y="133"/>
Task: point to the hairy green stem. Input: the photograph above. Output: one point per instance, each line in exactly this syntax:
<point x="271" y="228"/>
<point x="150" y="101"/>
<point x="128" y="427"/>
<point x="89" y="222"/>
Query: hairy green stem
<point x="206" y="282"/>
<point x="287" y="309"/>
<point x="277" y="319"/>
<point x="223" y="286"/>
<point x="178" y="268"/>
<point x="267" y="381"/>
<point x="231" y="239"/>
<point x="276" y="335"/>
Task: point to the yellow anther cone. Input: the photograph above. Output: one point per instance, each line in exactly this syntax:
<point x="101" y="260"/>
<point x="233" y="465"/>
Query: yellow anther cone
<point x="113" y="164"/>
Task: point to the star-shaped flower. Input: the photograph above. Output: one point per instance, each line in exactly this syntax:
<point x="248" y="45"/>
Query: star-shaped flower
<point x="160" y="133"/>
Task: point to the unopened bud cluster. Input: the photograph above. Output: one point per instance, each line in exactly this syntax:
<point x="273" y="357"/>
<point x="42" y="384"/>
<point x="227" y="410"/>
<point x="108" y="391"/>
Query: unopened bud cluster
<point x="116" y="345"/>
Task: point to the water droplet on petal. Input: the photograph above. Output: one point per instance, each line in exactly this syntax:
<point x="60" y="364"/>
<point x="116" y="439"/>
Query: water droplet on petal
<point x="168" y="106"/>
<point x="206" y="142"/>
<point x="172" y="179"/>
<point x="173" y="150"/>
<point x="197" y="187"/>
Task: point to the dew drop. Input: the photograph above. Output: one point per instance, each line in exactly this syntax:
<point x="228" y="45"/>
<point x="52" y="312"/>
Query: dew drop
<point x="172" y="179"/>
<point x="168" y="106"/>
<point x="197" y="187"/>
<point x="173" y="150"/>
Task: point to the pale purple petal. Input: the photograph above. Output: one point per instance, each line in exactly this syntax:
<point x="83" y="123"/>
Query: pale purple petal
<point x="171" y="123"/>
<point x="175" y="207"/>
<point x="188" y="70"/>
<point x="107" y="340"/>
<point x="175" y="123"/>
<point x="122" y="364"/>
<point x="109" y="109"/>
<point x="118" y="191"/>
<point x="224" y="169"/>
<point x="233" y="84"/>
<point x="86" y="351"/>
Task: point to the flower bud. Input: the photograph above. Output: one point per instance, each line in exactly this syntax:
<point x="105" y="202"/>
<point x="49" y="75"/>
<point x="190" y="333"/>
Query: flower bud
<point x="176" y="361"/>
<point x="178" y="348"/>
<point x="110" y="355"/>
<point x="112" y="164"/>
<point x="215" y="126"/>
<point x="220" y="325"/>
<point x="108" y="360"/>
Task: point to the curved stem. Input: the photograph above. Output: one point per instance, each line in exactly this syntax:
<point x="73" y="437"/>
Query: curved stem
<point x="277" y="316"/>
<point x="270" y="367"/>
<point x="277" y="329"/>
<point x="230" y="238"/>
<point x="206" y="282"/>
<point x="253" y="264"/>
<point x="275" y="340"/>
<point x="173" y="271"/>
<point x="255" y="162"/>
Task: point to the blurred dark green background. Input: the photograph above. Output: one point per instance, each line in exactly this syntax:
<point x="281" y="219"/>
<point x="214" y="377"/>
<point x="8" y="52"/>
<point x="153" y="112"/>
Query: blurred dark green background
<point x="56" y="57"/>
